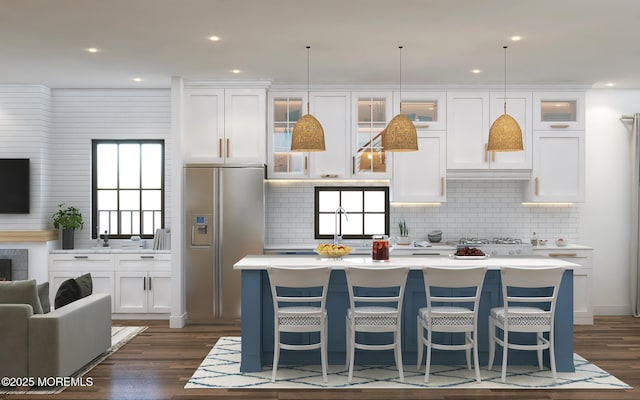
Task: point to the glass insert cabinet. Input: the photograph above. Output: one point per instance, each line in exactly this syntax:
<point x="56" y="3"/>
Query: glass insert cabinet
<point x="372" y="113"/>
<point x="286" y="112"/>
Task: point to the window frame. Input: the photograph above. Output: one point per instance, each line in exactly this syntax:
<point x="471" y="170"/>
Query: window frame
<point x="94" y="187"/>
<point x="316" y="213"/>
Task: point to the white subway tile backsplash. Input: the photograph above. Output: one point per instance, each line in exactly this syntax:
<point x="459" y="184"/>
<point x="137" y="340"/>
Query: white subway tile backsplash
<point x="473" y="208"/>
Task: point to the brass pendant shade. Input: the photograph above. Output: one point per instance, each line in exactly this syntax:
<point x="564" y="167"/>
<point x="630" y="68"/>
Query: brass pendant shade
<point x="505" y="133"/>
<point x="400" y="135"/>
<point x="307" y="135"/>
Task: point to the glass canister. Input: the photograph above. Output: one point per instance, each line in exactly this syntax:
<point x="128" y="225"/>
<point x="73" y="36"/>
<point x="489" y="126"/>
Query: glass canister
<point x="380" y="248"/>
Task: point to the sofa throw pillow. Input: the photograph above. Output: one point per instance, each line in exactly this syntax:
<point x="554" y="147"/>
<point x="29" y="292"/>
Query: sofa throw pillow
<point x="68" y="292"/>
<point x="43" y="296"/>
<point x="86" y="285"/>
<point x="20" y="292"/>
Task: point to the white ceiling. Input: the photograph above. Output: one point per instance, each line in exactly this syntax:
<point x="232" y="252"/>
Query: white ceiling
<point x="574" y="42"/>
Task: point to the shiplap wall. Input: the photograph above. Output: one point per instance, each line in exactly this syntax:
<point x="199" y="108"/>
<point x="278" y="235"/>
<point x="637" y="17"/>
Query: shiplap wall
<point x="485" y="209"/>
<point x="25" y="119"/>
<point x="80" y="115"/>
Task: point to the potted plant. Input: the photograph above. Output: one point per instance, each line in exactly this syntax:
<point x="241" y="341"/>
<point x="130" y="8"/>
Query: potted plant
<point x="404" y="233"/>
<point x="69" y="219"/>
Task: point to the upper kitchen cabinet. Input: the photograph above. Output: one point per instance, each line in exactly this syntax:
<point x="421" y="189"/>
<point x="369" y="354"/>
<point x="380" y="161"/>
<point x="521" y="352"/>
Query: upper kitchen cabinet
<point x="332" y="110"/>
<point x="224" y="125"/>
<point x="284" y="111"/>
<point x="467" y="129"/>
<point x="427" y="110"/>
<point x="558" y="167"/>
<point x="469" y="118"/>
<point x="558" y="110"/>
<point x="420" y="176"/>
<point x="371" y="112"/>
<point x="519" y="107"/>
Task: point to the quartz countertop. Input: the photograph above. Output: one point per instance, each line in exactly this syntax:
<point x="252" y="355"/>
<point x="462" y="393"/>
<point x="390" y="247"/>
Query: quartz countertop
<point x="261" y="262"/>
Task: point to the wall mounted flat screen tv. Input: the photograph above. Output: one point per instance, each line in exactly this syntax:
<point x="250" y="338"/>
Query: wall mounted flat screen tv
<point x="15" y="183"/>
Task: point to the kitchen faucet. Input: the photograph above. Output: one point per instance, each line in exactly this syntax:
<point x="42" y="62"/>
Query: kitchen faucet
<point x="337" y="237"/>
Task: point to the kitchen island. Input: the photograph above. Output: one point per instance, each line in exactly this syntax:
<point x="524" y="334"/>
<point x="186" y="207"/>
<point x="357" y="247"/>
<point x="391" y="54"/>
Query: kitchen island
<point x="257" y="309"/>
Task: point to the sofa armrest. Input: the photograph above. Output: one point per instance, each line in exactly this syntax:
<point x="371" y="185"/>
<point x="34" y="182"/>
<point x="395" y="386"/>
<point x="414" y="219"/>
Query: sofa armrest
<point x="66" y="339"/>
<point x="14" y="337"/>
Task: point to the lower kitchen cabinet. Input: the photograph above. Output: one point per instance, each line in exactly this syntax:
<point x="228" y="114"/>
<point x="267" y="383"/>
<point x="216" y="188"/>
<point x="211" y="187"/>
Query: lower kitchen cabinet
<point x="582" y="285"/>
<point x="142" y="283"/>
<point x="139" y="283"/>
<point x="143" y="292"/>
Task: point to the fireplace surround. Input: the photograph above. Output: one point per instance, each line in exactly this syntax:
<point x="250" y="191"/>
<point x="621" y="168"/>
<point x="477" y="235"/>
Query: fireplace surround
<point x="17" y="260"/>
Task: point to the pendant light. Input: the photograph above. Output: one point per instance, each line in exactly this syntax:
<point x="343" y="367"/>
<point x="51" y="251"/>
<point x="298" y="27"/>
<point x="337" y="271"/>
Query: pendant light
<point x="307" y="134"/>
<point x="400" y="134"/>
<point x="505" y="133"/>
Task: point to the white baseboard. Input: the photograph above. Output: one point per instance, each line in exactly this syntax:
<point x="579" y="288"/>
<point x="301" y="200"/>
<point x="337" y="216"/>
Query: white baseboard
<point x="612" y="310"/>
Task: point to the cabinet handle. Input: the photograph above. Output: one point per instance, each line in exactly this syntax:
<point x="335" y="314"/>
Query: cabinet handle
<point x="486" y="152"/>
<point x="353" y="165"/>
<point x="149" y="283"/>
<point x="442" y="186"/>
<point x="144" y="283"/>
<point x="559" y="125"/>
<point x="306" y="164"/>
<point x="84" y="257"/>
<point x="228" y="141"/>
<point x="220" y="147"/>
<point x="563" y="254"/>
<point x="537" y="186"/>
<point x="147" y="257"/>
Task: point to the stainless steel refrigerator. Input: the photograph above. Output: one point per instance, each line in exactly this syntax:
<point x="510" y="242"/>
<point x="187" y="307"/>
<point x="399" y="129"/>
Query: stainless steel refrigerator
<point x="224" y="217"/>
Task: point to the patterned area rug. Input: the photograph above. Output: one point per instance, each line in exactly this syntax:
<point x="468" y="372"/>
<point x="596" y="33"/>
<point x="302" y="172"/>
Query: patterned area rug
<point x="120" y="335"/>
<point x="221" y="369"/>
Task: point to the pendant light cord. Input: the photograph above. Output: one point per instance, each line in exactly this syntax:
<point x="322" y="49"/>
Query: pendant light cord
<point x="400" y="47"/>
<point x="505" y="78"/>
<point x="308" y="91"/>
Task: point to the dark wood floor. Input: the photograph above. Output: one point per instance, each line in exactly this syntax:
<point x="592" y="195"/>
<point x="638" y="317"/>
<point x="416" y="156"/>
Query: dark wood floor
<point x="158" y="363"/>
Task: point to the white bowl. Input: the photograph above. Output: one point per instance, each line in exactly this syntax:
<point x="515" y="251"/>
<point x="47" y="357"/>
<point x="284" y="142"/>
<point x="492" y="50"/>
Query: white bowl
<point x="561" y="243"/>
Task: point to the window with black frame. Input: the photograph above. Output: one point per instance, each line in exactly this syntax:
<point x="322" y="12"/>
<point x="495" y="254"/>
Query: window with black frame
<point x="366" y="207"/>
<point x="127" y="188"/>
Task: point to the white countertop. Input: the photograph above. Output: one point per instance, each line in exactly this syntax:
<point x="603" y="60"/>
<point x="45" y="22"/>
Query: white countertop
<point x="110" y="250"/>
<point x="312" y="246"/>
<point x="261" y="262"/>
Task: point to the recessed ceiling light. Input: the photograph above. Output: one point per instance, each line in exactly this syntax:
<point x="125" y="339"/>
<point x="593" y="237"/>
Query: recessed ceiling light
<point x="92" y="50"/>
<point x="476" y="71"/>
<point x="235" y="71"/>
<point x="516" y="38"/>
<point x="610" y="84"/>
<point x="137" y="79"/>
<point x="214" y="38"/>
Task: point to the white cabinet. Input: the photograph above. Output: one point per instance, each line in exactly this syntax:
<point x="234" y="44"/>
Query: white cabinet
<point x="71" y="266"/>
<point x="371" y="112"/>
<point x="558" y="111"/>
<point x="143" y="283"/>
<point x="582" y="285"/>
<point x="519" y="107"/>
<point x="420" y="176"/>
<point x="285" y="108"/>
<point x="139" y="283"/>
<point x="332" y="109"/>
<point x="469" y="118"/>
<point x="467" y="129"/>
<point x="427" y="110"/>
<point x="224" y="125"/>
<point x="558" y="148"/>
<point x="558" y="167"/>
